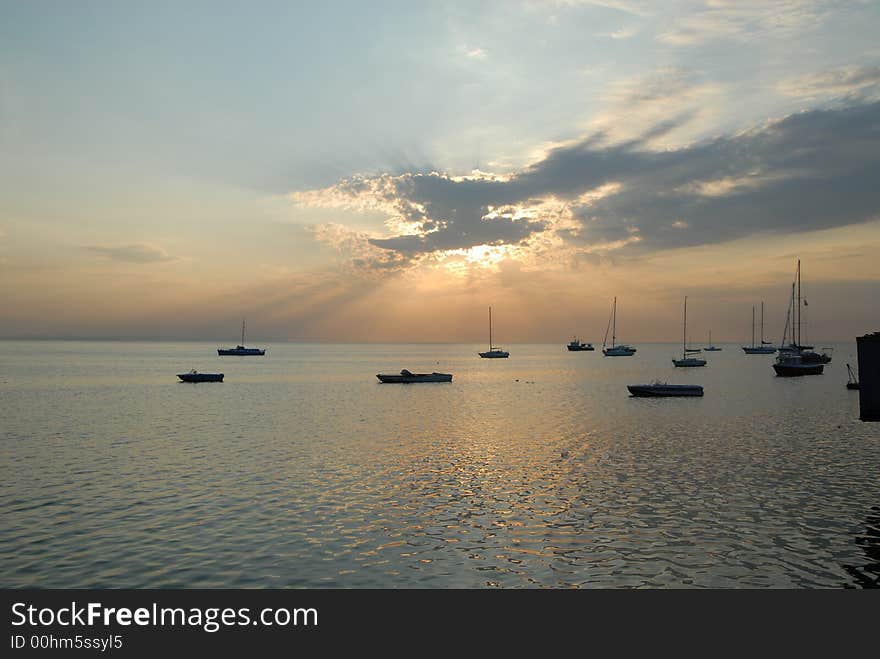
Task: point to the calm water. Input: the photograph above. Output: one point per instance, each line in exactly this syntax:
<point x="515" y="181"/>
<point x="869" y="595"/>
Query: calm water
<point x="302" y="471"/>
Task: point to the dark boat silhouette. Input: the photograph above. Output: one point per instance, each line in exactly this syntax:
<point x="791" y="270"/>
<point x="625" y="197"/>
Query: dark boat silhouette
<point x="195" y="376"/>
<point x="853" y="381"/>
<point x="798" y="360"/>
<point x="493" y="352"/>
<point x="240" y="350"/>
<point x="576" y="345"/>
<point x="405" y="377"/>
<point x="663" y="390"/>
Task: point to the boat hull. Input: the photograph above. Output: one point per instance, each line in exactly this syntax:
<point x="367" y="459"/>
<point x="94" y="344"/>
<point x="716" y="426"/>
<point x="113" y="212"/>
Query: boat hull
<point x="852" y="385"/>
<point x="712" y="349"/>
<point x="759" y="350"/>
<point x="689" y="362"/>
<point x="664" y="390"/>
<point x="495" y="354"/>
<point x="618" y="352"/>
<point x="580" y="348"/>
<point x="241" y="352"/>
<point x="200" y="377"/>
<point x="810" y="357"/>
<point x="797" y="370"/>
<point x="413" y="378"/>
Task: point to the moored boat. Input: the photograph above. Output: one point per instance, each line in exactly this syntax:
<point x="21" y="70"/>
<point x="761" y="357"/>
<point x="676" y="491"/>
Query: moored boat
<point x="405" y="377"/>
<point x="798" y="359"/>
<point x="763" y="348"/>
<point x="853" y="381"/>
<point x="615" y="350"/>
<point x="195" y="376"/>
<point x="711" y="347"/>
<point x="792" y="365"/>
<point x="576" y="345"/>
<point x="493" y="352"/>
<point x="662" y="390"/>
<point x="240" y="350"/>
<point x="686" y="361"/>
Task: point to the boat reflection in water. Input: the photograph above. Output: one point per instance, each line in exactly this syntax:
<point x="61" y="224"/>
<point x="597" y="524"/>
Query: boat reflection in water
<point x="868" y="575"/>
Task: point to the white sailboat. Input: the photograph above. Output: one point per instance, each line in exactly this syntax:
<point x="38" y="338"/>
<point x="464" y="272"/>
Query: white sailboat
<point x="493" y="352"/>
<point x="615" y="350"/>
<point x="685" y="360"/>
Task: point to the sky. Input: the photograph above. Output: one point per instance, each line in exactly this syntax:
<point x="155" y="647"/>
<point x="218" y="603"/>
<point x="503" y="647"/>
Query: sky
<point x="385" y="171"/>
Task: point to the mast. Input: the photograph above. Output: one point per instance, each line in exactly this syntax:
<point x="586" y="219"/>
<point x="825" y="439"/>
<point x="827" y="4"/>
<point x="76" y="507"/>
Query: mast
<point x="490" y="328"/>
<point x="753" y="325"/>
<point x="763" y="342"/>
<point x="799" y="303"/>
<point x="614" y="322"/>
<point x="242" y="332"/>
<point x="684" y="331"/>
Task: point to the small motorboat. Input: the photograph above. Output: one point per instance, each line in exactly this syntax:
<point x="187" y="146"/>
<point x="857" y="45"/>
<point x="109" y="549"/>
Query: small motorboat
<point x="195" y="376"/>
<point x="406" y="377"/>
<point x="662" y="389"/>
<point x="619" y="351"/>
<point x="579" y="346"/>
<point x="853" y="382"/>
<point x="685" y="362"/>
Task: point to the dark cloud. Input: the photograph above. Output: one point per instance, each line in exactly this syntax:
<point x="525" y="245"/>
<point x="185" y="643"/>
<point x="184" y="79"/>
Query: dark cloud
<point x="813" y="170"/>
<point x="137" y="253"/>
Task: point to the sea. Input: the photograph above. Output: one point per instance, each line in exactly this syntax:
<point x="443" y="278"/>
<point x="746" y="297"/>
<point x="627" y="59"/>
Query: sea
<point x="301" y="470"/>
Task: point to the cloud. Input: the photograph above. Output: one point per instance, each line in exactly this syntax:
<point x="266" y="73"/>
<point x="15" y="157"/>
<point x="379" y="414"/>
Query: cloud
<point x="847" y="81"/>
<point x="477" y="53"/>
<point x="666" y="108"/>
<point x="744" y="20"/>
<point x="633" y="7"/>
<point x="622" y="33"/>
<point x="807" y="171"/>
<point x="136" y="253"/>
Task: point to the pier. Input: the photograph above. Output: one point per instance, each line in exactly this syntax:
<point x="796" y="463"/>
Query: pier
<point x="869" y="376"/>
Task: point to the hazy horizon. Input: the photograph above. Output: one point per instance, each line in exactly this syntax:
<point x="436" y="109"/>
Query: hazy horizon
<point x="384" y="173"/>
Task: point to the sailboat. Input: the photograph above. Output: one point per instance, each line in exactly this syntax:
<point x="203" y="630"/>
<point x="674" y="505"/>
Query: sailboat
<point x="793" y="327"/>
<point x="685" y="360"/>
<point x="765" y="348"/>
<point x="615" y="350"/>
<point x="853" y="381"/>
<point x="799" y="361"/>
<point x="710" y="347"/>
<point x="493" y="352"/>
<point x="240" y="350"/>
